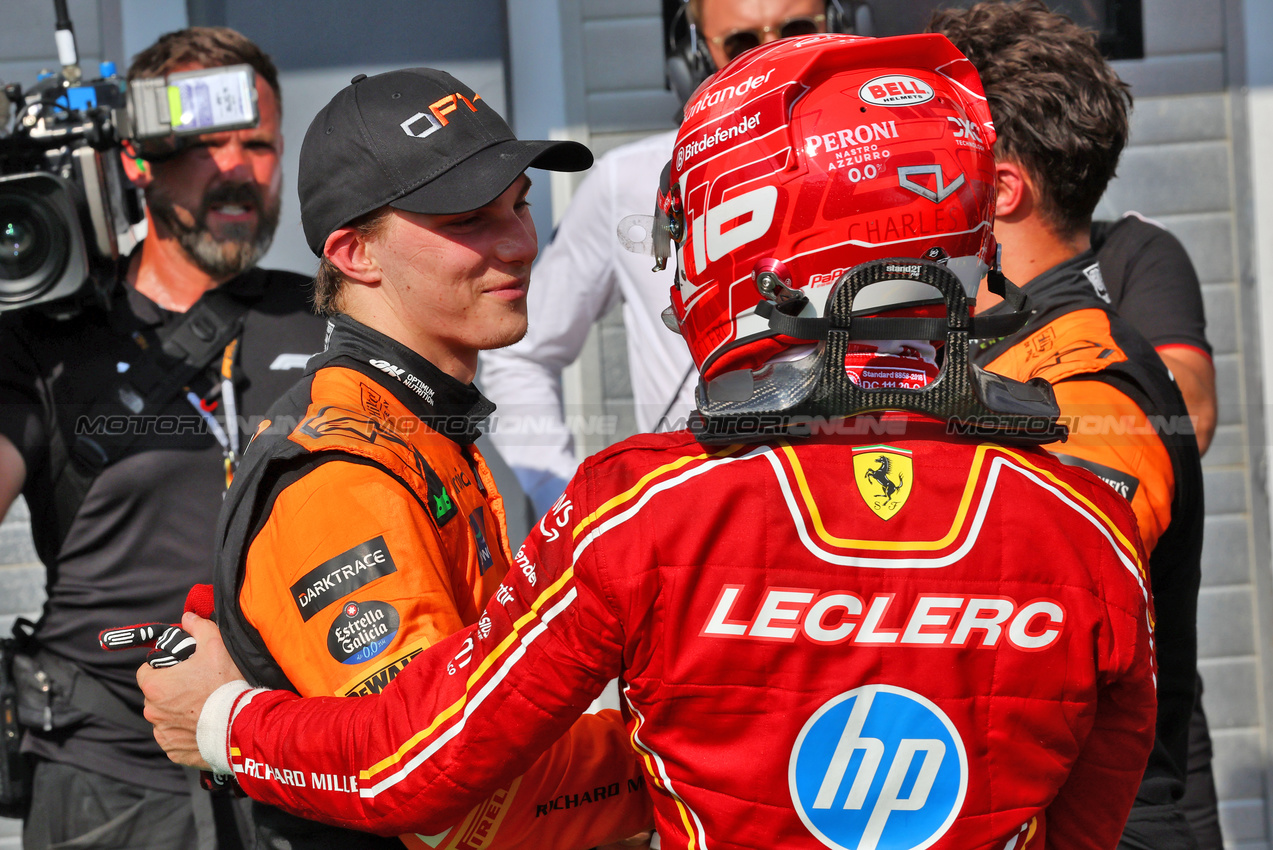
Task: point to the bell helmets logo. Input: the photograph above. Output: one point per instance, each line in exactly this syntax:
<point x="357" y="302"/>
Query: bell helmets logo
<point x="878" y="768"/>
<point x="896" y="90"/>
<point x="437" y="115"/>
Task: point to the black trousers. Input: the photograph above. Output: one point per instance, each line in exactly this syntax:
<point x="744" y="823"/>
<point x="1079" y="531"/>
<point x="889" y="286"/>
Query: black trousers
<point x="1193" y="822"/>
<point x="1200" y="803"/>
<point x="75" y="809"/>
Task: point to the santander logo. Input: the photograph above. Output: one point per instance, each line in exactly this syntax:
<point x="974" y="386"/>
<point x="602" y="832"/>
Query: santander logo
<point x="895" y="90"/>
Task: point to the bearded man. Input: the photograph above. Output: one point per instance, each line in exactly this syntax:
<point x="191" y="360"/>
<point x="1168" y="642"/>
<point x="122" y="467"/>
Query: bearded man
<point x="122" y="427"/>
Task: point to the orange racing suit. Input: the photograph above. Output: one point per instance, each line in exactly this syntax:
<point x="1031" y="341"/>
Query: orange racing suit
<point x="1129" y="426"/>
<point x="364" y="526"/>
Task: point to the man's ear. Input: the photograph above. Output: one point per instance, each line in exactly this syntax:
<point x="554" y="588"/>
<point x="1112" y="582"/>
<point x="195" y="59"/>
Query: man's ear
<point x="137" y="169"/>
<point x="1014" y="193"/>
<point x="353" y="254"/>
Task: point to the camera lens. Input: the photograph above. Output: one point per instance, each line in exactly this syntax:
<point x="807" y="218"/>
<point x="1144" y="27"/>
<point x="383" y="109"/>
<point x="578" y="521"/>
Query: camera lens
<point x="21" y="249"/>
<point x="32" y="245"/>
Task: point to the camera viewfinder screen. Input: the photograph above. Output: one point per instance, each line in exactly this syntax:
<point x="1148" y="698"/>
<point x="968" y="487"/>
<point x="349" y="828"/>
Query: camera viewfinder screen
<point x="212" y="100"/>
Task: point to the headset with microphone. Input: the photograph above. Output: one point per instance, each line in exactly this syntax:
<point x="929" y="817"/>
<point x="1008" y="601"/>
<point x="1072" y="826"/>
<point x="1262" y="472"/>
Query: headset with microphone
<point x="689" y="62"/>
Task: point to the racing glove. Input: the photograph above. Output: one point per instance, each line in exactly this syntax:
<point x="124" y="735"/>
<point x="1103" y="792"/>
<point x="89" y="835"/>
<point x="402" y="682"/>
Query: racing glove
<point x="168" y="643"/>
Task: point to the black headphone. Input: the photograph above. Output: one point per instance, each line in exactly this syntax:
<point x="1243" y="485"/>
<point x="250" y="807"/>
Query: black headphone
<point x="689" y="62"/>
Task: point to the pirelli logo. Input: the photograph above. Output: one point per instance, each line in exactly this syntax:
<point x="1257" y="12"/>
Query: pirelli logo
<point x="479" y="829"/>
<point x="377" y="681"/>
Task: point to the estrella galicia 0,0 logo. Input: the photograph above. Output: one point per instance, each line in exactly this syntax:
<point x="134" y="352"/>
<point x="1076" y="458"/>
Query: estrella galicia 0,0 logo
<point x="361" y="631"/>
<point x="878" y="768"/>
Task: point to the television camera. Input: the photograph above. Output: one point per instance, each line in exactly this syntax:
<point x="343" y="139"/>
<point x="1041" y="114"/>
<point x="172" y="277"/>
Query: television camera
<point x="67" y="209"/>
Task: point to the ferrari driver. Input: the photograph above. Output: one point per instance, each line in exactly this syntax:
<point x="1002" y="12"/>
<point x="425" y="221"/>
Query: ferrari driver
<point x="907" y="629"/>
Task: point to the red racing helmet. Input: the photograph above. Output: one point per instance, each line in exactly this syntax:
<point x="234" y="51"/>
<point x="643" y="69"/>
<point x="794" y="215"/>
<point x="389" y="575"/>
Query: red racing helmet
<point x="809" y="156"/>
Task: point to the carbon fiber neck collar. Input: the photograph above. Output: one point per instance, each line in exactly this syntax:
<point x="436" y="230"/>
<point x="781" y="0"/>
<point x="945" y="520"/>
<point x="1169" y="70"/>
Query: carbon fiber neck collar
<point x="973" y="401"/>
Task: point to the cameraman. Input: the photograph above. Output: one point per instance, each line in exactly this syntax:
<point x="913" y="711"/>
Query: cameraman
<point x="124" y="523"/>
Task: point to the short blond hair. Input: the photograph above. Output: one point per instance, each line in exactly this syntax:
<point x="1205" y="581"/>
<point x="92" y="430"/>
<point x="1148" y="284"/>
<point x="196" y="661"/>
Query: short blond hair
<point x="329" y="280"/>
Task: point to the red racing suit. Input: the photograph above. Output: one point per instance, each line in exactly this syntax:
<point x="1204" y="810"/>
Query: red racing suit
<point x="885" y="641"/>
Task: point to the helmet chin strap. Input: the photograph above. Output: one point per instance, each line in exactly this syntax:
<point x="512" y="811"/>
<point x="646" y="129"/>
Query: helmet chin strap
<point x="975" y="402"/>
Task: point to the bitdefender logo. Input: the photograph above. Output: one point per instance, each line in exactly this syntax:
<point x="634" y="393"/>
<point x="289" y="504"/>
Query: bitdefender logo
<point x="878" y="768"/>
<point x="720" y="135"/>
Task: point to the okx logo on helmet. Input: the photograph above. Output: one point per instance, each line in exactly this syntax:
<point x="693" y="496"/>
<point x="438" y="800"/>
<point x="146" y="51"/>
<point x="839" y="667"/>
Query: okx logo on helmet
<point x="798" y="165"/>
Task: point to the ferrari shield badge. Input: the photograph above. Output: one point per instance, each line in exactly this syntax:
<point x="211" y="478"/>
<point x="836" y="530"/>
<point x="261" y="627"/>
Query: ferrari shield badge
<point x="884" y="475"/>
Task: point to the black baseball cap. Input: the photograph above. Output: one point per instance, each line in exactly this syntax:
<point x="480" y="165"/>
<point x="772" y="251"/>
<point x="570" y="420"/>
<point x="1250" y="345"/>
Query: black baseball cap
<point x="418" y="140"/>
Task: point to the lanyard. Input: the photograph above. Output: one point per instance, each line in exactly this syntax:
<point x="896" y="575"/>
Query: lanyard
<point x="227" y="436"/>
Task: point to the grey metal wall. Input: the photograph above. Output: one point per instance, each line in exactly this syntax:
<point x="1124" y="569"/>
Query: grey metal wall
<point x="611" y="68"/>
<point x="1187" y="166"/>
<point x="1177" y="171"/>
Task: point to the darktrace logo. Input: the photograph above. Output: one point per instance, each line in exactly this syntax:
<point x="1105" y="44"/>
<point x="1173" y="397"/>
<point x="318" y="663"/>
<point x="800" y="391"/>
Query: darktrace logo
<point x="340" y="576"/>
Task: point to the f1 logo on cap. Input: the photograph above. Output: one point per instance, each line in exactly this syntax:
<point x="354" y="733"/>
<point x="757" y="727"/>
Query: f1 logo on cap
<point x="878" y="768"/>
<point x="438" y="110"/>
